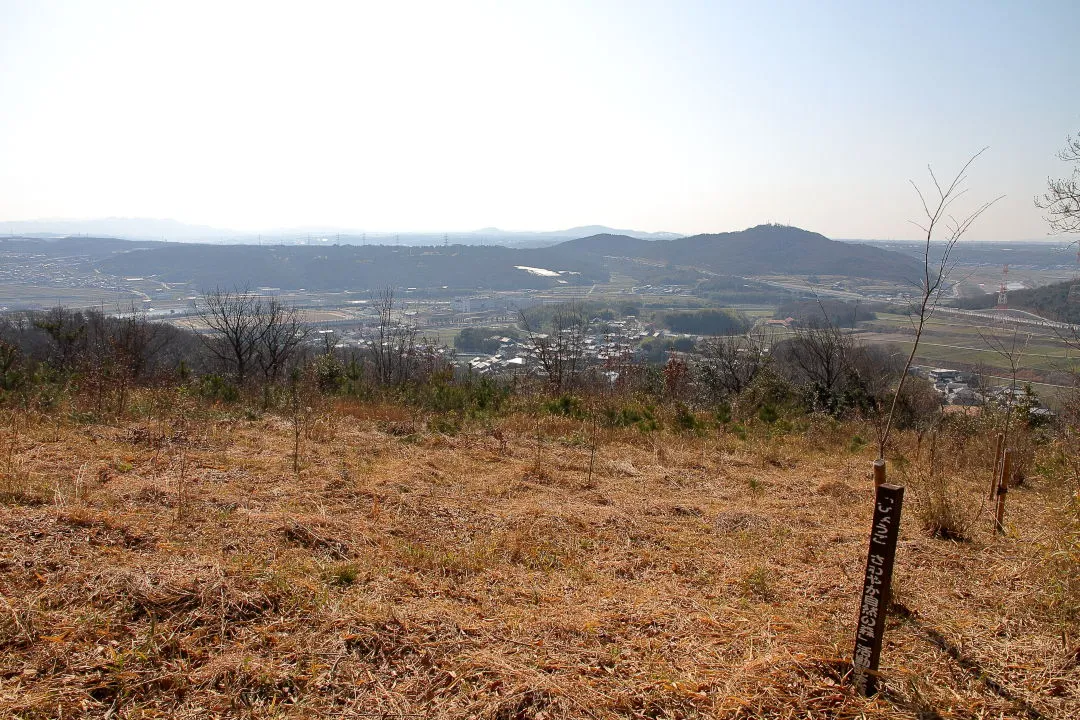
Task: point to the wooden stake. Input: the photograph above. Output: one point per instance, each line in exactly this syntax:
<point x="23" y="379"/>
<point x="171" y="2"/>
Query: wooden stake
<point x="1002" y="490"/>
<point x="996" y="479"/>
<point x="879" y="473"/>
<point x="538" y="445"/>
<point x="877" y="586"/>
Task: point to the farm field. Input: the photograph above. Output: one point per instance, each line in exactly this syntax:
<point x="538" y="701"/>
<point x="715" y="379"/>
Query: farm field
<point x="47" y="296"/>
<point x="954" y="342"/>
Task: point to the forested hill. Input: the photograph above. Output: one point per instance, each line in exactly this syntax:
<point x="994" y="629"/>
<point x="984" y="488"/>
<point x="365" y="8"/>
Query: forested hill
<point x="1049" y="301"/>
<point x="762" y="250"/>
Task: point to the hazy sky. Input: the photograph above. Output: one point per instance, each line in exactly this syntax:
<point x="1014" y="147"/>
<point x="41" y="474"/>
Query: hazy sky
<point x="443" y="116"/>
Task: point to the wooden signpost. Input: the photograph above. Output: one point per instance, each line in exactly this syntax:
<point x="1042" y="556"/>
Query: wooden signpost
<point x="877" y="584"/>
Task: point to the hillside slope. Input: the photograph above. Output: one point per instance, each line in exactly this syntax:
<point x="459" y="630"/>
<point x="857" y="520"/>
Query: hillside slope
<point x="1049" y="301"/>
<point x="761" y="250"/>
<point x="775" y="249"/>
<point x="178" y="567"/>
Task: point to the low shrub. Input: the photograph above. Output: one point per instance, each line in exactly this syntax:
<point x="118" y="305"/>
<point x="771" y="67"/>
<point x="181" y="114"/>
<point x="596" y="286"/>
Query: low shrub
<point x="566" y="405"/>
<point x="644" y="418"/>
<point x="215" y="388"/>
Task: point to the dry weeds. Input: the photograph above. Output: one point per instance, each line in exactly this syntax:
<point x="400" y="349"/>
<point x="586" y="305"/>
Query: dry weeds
<point x="404" y="572"/>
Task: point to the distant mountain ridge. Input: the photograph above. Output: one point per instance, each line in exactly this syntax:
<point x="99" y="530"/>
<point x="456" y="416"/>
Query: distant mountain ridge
<point x="580" y="232"/>
<point x="758" y="251"/>
<point x="116" y="227"/>
<point x="165" y="229"/>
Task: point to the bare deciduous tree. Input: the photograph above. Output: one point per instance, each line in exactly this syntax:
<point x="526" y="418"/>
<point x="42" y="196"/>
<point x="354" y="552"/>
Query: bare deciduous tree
<point x="392" y="341"/>
<point x="135" y="341"/>
<point x="819" y="357"/>
<point x="67" y="332"/>
<point x="938" y="218"/>
<point x="328" y="340"/>
<point x="234" y="319"/>
<point x="1061" y="201"/>
<point x="9" y="356"/>
<point x="283" y="333"/>
<point x="1011" y="349"/>
<point x="729" y="363"/>
<point x="875" y="367"/>
<point x="248" y="331"/>
<point x="560" y="353"/>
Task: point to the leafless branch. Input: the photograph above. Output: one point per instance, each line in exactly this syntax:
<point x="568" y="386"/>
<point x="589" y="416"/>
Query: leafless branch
<point x="935" y="273"/>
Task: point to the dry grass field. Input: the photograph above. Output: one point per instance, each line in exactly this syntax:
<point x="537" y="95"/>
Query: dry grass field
<point x="175" y="565"/>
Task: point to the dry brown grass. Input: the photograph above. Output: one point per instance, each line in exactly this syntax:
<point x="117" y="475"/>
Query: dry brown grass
<point x="405" y="571"/>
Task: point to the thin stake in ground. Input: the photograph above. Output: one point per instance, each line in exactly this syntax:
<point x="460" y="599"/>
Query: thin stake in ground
<point x="1002" y="490"/>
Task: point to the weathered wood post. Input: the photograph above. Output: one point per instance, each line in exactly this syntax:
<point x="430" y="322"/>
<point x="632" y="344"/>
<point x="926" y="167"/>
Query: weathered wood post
<point x="996" y="479"/>
<point x="877" y="584"/>
<point x="879" y="473"/>
<point x="1002" y="490"/>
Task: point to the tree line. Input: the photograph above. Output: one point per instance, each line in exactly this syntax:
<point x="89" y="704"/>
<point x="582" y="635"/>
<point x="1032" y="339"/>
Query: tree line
<point x="239" y="340"/>
<point x="242" y="342"/>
